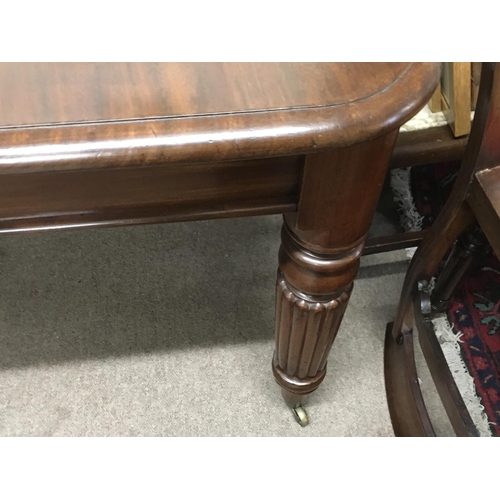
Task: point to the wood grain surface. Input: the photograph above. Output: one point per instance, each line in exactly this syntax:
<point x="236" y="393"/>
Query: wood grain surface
<point x="45" y="93"/>
<point x="64" y="116"/>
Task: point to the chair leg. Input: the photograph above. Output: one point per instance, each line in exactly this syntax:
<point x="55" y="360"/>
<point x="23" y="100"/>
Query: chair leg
<point x="424" y="264"/>
<point x="464" y="257"/>
<point x="406" y="404"/>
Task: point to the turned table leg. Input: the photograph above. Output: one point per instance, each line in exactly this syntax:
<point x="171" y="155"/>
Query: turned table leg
<point x="319" y="258"/>
<point x="311" y="297"/>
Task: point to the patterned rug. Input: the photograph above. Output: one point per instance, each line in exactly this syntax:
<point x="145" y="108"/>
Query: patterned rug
<point x="473" y="317"/>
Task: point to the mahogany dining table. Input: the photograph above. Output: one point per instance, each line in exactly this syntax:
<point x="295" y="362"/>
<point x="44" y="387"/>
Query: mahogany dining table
<point x="106" y="144"/>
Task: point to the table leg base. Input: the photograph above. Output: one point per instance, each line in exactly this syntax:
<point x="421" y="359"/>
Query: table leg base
<point x="296" y="402"/>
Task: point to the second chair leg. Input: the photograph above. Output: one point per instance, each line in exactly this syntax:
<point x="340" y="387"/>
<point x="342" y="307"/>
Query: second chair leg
<point x="466" y="253"/>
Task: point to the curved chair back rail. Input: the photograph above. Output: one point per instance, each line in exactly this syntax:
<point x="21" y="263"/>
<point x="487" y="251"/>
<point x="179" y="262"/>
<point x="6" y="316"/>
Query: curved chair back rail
<point x="475" y="197"/>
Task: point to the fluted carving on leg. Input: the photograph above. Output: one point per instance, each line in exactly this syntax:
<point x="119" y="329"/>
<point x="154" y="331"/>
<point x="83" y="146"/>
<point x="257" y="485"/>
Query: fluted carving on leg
<point x="312" y="292"/>
<point x="305" y="330"/>
<point x="319" y="258"/>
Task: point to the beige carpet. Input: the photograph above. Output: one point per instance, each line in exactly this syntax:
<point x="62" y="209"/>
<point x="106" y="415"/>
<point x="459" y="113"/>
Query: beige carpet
<point x="168" y="331"/>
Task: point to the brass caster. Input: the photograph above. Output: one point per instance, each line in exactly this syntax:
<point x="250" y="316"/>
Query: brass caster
<point x="301" y="416"/>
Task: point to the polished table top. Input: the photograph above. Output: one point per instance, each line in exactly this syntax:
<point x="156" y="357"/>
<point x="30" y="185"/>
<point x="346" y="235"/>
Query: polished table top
<point x="86" y="115"/>
<point x="48" y="93"/>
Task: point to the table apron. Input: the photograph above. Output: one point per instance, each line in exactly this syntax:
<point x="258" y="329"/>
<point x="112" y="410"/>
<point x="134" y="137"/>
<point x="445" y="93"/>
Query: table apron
<point x="148" y="194"/>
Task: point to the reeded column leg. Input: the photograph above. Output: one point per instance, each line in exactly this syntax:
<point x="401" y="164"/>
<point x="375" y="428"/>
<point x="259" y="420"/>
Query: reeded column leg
<point x="312" y="291"/>
<point x="319" y="259"/>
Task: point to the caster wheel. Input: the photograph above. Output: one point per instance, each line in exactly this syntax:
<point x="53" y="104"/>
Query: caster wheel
<point x="301" y="416"/>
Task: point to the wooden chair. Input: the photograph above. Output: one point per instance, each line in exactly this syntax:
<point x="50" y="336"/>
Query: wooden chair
<point x="474" y="202"/>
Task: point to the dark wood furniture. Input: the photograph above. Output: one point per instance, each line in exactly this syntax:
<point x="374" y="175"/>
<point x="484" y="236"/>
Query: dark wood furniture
<point x="413" y="149"/>
<point x="104" y="144"/>
<point x="455" y="96"/>
<point x="474" y="201"/>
